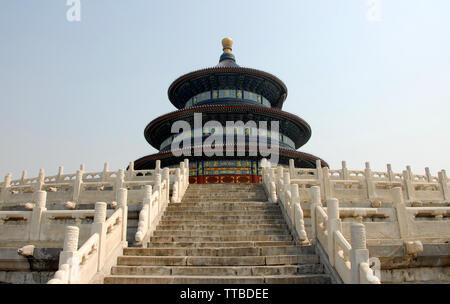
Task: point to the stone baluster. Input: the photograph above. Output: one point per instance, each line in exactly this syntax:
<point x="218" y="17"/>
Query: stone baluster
<point x="369" y="182"/>
<point x="410" y="174"/>
<point x="24" y="176"/>
<point x="40" y="200"/>
<point x="99" y="227"/>
<point x="122" y="201"/>
<point x="344" y="170"/>
<point x="159" y="189"/>
<point x="273" y="186"/>
<point x="182" y="177"/>
<point x="59" y="178"/>
<point x="443" y="183"/>
<point x="297" y="215"/>
<point x="319" y="175"/>
<point x="166" y="179"/>
<point x="177" y="186"/>
<point x="333" y="224"/>
<point x="359" y="252"/>
<point x="130" y="171"/>
<point x="120" y="180"/>
<point x="326" y="184"/>
<point x="286" y="188"/>
<point x="292" y="168"/>
<point x="41" y="179"/>
<point x="105" y="171"/>
<point x="390" y="172"/>
<point x="158" y="167"/>
<point x="408" y="185"/>
<point x="6" y="186"/>
<point x="428" y="175"/>
<point x="402" y="214"/>
<point x="315" y="202"/>
<point x="77" y="186"/>
<point x="279" y="176"/>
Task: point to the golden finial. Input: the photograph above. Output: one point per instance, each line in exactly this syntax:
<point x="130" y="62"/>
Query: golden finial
<point x="227" y="43"/>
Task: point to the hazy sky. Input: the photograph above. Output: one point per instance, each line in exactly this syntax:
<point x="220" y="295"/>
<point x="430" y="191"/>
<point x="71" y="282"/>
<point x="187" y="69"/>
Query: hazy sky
<point x="83" y="92"/>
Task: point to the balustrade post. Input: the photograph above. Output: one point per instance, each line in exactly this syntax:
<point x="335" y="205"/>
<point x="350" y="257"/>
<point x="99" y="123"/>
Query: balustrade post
<point x="24" y="176"/>
<point x="408" y="185"/>
<point x="333" y="224"/>
<point x="99" y="227"/>
<point x="122" y="201"/>
<point x="369" y="182"/>
<point x="40" y="199"/>
<point x="443" y="184"/>
<point x="69" y="254"/>
<point x="159" y="189"/>
<point x="5" y="189"/>
<point x="40" y="181"/>
<point x="60" y="173"/>
<point x="120" y="180"/>
<point x="428" y="175"/>
<point x="158" y="166"/>
<point x="130" y="171"/>
<point x="273" y="186"/>
<point x="402" y="214"/>
<point x="359" y="252"/>
<point x="344" y="170"/>
<point x="326" y="184"/>
<point x="77" y="186"/>
<point x="297" y="214"/>
<point x="177" y="186"/>
<point x="315" y="202"/>
<point x="279" y="171"/>
<point x="390" y="172"/>
<point x="292" y="168"/>
<point x="105" y="171"/>
<point x="166" y="179"/>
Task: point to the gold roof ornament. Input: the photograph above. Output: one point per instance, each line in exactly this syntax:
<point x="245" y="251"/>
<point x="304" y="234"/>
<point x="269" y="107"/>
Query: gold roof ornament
<point x="227" y="44"/>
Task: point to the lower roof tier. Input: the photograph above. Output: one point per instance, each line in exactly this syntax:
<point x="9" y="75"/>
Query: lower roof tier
<point x="301" y="159"/>
<point x="290" y="125"/>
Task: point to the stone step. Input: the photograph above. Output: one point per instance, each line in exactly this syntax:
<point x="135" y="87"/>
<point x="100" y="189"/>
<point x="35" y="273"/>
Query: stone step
<point x="223" y="222"/>
<point x="196" y="233"/>
<point x="224" y="251"/>
<point x="223" y="213"/>
<point x="217" y="260"/>
<point x="221" y="227"/>
<point x="222" y="207"/>
<point x="217" y="270"/>
<point x="219" y="244"/>
<point x="224" y="200"/>
<point x="215" y="218"/>
<point x="285" y="279"/>
<point x="237" y="238"/>
<point x="214" y="203"/>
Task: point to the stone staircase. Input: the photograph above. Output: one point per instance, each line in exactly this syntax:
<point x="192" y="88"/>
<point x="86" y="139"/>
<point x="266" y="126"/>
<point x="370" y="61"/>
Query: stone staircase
<point x="220" y="234"/>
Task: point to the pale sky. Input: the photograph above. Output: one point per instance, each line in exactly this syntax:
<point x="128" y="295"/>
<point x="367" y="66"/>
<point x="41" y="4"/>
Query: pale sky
<point x="83" y="92"/>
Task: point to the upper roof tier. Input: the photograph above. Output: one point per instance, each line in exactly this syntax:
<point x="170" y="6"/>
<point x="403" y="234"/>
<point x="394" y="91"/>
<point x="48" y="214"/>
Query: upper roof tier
<point x="227" y="75"/>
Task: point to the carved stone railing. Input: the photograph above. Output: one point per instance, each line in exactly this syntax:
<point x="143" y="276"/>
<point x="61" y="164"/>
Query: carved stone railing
<point x="370" y="185"/>
<point x="94" y="259"/>
<point x="83" y="187"/>
<point x="282" y="190"/>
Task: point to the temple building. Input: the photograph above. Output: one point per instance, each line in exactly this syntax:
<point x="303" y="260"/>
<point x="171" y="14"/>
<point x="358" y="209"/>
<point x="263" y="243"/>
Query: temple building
<point x="223" y="93"/>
